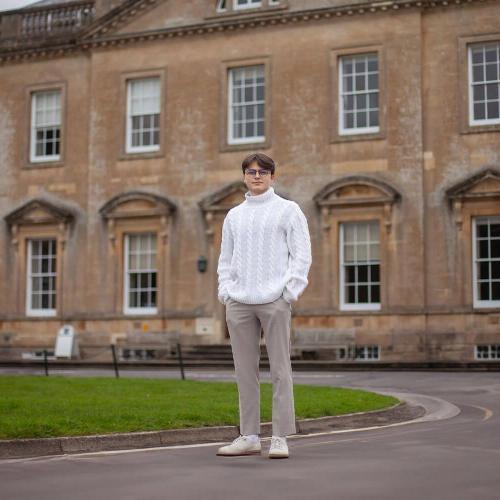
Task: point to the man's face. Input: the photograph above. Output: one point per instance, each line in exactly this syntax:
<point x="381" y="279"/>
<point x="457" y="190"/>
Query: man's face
<point x="257" y="184"/>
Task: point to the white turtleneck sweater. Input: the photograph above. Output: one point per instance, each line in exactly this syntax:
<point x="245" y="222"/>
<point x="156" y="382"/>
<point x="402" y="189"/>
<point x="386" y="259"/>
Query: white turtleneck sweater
<point x="265" y="250"/>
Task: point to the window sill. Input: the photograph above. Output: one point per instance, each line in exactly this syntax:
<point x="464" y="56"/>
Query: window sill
<point x="372" y="136"/>
<point x="143" y="155"/>
<point x="260" y="145"/>
<point x="41" y="315"/>
<point x="43" y="164"/>
<point x="353" y="309"/>
<point x="140" y="313"/>
<point x="477" y="129"/>
<point x="477" y="308"/>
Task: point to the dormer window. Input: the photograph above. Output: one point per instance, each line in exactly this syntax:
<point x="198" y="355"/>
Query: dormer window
<point x="236" y="5"/>
<point x="246" y="4"/>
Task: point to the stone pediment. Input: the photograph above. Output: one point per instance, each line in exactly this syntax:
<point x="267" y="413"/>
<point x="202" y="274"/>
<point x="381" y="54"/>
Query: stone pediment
<point x="484" y="184"/>
<point x="167" y="14"/>
<point x="137" y="204"/>
<point x="356" y="190"/>
<point x="143" y="16"/>
<point x="39" y="211"/>
<point x="228" y="197"/>
<point x="225" y="198"/>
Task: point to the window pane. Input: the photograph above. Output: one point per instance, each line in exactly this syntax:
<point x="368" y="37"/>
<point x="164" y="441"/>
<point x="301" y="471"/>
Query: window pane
<point x="495" y="290"/>
<point x="348" y="83"/>
<point x="374" y="122"/>
<point x="491" y="53"/>
<point x="492" y="109"/>
<point x="495" y="249"/>
<point x="478" y="92"/>
<point x="484" y="270"/>
<point x="360" y="65"/>
<point x="491" y="91"/>
<point x="260" y="128"/>
<point x="349" y="253"/>
<point x="349" y="120"/>
<point x="491" y="71"/>
<point x="479" y="111"/>
<point x="495" y="230"/>
<point x="360" y="82"/>
<point x="484" y="291"/>
<point x="362" y="274"/>
<point x="483" y="249"/>
<point x="362" y="232"/>
<point x="362" y="253"/>
<point x="361" y="101"/>
<point x="363" y="294"/>
<point x="373" y="81"/>
<point x="373" y="64"/>
<point x="482" y="230"/>
<point x="350" y="274"/>
<point x="361" y="119"/>
<point x="495" y="270"/>
<point x="477" y="56"/>
<point x="351" y="294"/>
<point x="477" y="73"/>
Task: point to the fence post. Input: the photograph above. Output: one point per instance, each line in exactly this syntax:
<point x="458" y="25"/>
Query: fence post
<point x="115" y="363"/>
<point x="181" y="362"/>
<point x="46" y="362"/>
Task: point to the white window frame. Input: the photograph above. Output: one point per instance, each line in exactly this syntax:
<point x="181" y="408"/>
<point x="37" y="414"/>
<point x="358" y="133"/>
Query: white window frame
<point x="247" y="6"/>
<point x="34" y="158"/>
<point x="126" y="308"/>
<point x="359" y="130"/>
<point x="477" y="302"/>
<point x="472" y="121"/>
<point x="490" y="348"/>
<point x="128" y="129"/>
<point x="245" y="140"/>
<point x="219" y="7"/>
<point x="366" y="306"/>
<point x="30" y="311"/>
<point x="366" y="349"/>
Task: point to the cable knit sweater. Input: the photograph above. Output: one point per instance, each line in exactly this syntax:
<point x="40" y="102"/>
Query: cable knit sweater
<point x="265" y="250"/>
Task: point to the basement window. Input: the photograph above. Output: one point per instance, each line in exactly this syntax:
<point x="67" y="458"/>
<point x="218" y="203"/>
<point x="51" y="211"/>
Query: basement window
<point x="487" y="352"/>
<point x="367" y="352"/>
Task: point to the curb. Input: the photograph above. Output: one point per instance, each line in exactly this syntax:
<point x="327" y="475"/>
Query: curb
<point x="24" y="448"/>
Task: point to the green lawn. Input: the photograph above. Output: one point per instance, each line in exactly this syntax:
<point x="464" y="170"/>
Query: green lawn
<point x="37" y="406"/>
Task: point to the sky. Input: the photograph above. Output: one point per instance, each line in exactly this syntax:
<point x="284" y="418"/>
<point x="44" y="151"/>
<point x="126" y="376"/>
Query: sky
<point x="14" y="4"/>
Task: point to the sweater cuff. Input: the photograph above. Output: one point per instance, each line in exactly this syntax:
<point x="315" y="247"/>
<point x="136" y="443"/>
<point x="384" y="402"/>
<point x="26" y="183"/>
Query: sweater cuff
<point x="223" y="298"/>
<point x="288" y="296"/>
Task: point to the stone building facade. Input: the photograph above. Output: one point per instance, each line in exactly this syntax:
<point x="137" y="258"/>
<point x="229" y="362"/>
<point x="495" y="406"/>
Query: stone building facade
<point x="123" y="128"/>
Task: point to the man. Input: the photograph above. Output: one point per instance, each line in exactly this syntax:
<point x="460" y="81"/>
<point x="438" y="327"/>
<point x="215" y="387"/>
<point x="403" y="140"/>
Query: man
<point x="263" y="266"/>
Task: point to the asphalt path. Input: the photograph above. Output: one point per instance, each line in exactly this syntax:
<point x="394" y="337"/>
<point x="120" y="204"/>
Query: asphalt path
<point x="455" y="456"/>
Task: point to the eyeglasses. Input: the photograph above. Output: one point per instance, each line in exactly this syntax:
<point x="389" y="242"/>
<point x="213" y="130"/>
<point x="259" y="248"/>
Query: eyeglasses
<point x="252" y="172"/>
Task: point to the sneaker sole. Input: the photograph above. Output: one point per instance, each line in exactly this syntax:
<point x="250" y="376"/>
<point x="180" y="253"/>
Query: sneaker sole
<point x="278" y="456"/>
<point x="239" y="454"/>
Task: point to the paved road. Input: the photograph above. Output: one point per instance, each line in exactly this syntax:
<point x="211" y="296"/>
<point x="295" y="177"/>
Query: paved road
<point x="455" y="458"/>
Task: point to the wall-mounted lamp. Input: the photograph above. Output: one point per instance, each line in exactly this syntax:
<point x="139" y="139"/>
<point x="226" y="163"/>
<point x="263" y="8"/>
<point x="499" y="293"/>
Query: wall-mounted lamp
<point x="202" y="264"/>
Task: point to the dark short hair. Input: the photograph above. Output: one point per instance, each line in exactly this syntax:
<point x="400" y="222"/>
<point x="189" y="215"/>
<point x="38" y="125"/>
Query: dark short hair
<point x="261" y="159"/>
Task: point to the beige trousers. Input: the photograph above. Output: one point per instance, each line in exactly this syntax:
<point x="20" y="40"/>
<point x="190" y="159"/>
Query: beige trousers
<point x="244" y="323"/>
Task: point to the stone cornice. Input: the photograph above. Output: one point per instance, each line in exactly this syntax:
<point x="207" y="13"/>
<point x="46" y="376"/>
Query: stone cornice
<point x="95" y="37"/>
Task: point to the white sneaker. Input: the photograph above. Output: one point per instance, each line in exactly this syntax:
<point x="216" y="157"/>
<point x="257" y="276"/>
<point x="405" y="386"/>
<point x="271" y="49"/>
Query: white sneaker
<point x="279" y="448"/>
<point x="242" y="445"/>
